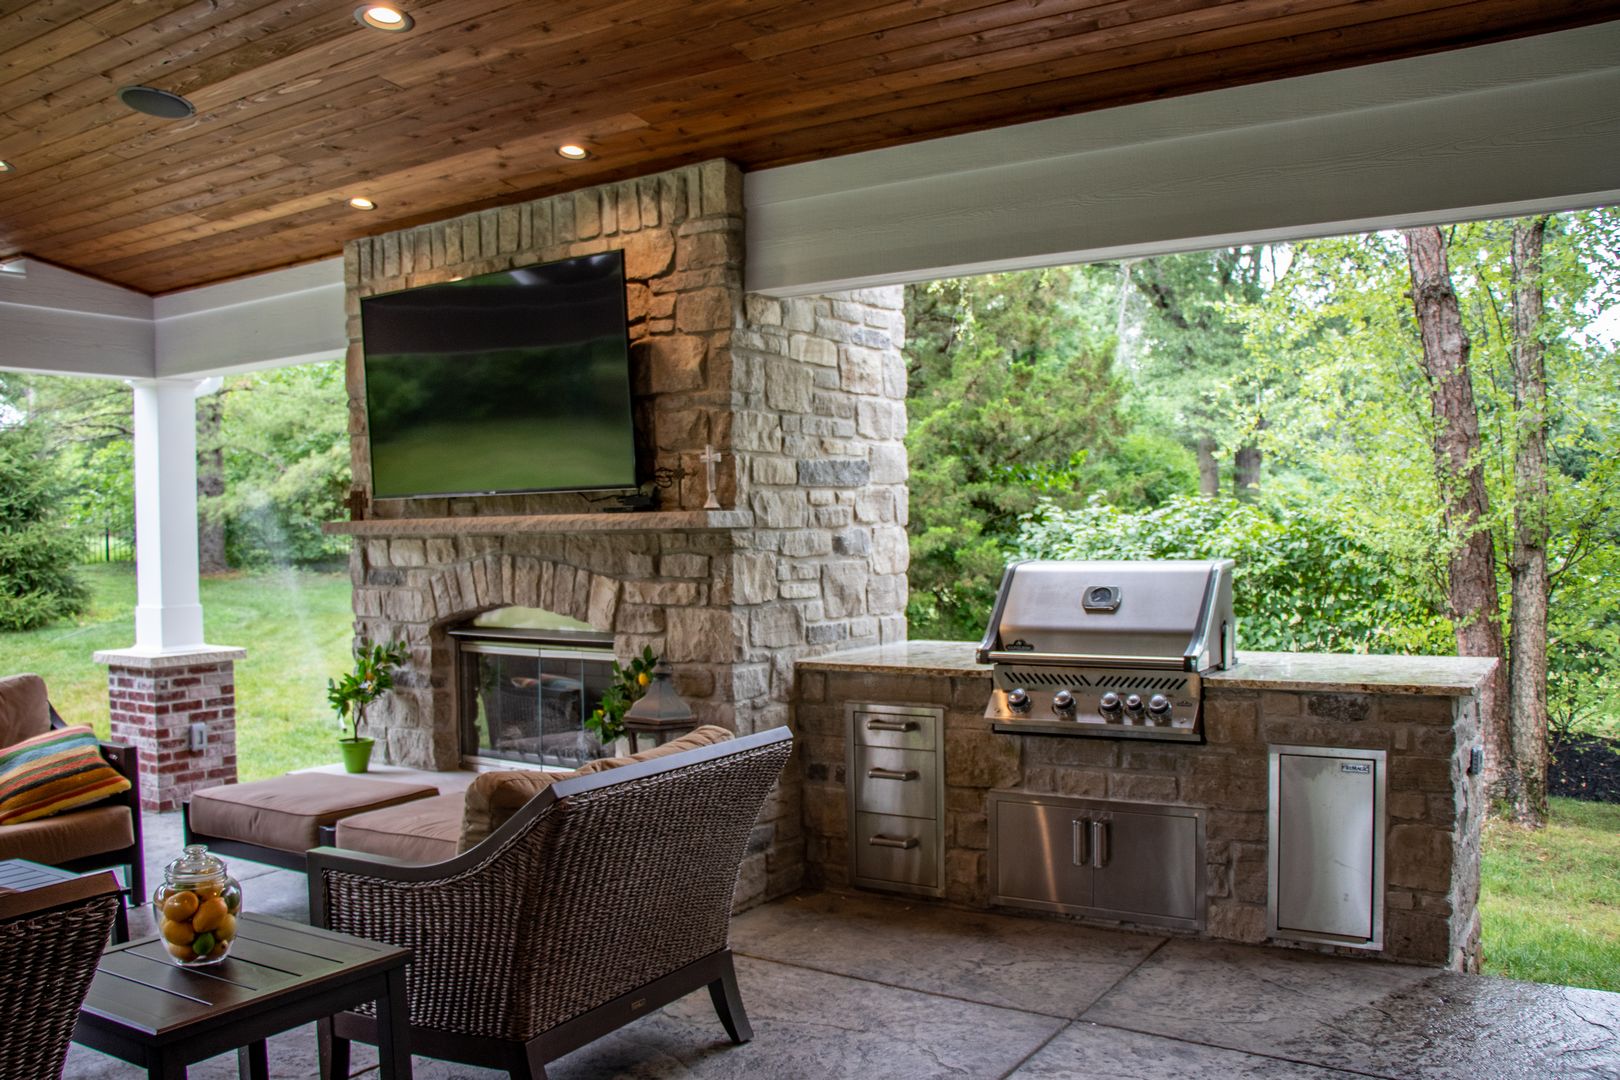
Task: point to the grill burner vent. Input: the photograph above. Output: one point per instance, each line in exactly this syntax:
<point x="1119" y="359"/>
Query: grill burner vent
<point x="1111" y="649"/>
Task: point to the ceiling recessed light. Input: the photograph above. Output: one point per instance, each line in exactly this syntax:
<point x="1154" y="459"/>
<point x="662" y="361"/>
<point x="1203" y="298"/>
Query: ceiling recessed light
<point x="383" y="18"/>
<point x="360" y="202"/>
<point x="573" y="152"/>
<point x="155" y="102"/>
<point x="5" y="166"/>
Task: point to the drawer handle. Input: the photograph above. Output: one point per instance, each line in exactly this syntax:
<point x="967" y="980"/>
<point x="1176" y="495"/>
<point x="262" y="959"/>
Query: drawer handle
<point x="892" y="774"/>
<point x="891" y="725"/>
<point x="905" y="843"/>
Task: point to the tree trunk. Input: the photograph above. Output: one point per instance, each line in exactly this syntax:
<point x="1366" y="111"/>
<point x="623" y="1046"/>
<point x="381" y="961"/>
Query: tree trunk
<point x="1471" y="577"/>
<point x="210" y="485"/>
<point x="1209" y="470"/>
<point x="1527" y="566"/>
<point x="1246" y="467"/>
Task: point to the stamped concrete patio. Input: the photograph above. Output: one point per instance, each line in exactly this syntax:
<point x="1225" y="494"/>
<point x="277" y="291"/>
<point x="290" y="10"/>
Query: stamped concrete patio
<point x="860" y="986"/>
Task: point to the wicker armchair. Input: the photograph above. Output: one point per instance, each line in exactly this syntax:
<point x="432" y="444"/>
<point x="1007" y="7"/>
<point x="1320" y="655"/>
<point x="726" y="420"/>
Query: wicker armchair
<point x="50" y="941"/>
<point x="606" y="897"/>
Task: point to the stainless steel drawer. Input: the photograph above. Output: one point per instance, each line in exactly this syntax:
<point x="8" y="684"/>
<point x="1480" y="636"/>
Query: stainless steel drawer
<point x="904" y="782"/>
<point x="896" y="850"/>
<point x="902" y="727"/>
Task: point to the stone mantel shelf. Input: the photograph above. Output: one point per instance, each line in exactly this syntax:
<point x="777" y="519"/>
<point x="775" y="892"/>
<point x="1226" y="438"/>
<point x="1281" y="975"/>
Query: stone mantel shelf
<point x="504" y="525"/>
<point x="1445" y="676"/>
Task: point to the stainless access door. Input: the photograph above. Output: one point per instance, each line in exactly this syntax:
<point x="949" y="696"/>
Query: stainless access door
<point x="1327" y="845"/>
<point x="1149" y="865"/>
<point x="1042" y="853"/>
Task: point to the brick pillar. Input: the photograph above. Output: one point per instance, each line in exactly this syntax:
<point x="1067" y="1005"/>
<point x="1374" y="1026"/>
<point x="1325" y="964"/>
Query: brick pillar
<point x="155" y="699"/>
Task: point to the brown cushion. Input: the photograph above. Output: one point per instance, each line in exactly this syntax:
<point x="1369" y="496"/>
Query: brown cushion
<point x="69" y="836"/>
<point x="707" y="735"/>
<point x="495" y="796"/>
<point x="287" y="812"/>
<point x="422" y="831"/>
<point x="24" y="710"/>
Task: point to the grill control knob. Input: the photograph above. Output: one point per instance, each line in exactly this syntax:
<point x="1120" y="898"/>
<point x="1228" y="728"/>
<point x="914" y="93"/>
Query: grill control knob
<point x="1063" y="703"/>
<point x="1018" y="700"/>
<point x="1159" y="709"/>
<point x="1133" y="707"/>
<point x="1108" y="706"/>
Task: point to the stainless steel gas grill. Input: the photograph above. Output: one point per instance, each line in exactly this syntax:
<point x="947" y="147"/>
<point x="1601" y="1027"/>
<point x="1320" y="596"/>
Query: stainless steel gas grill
<point x="1109" y="649"/>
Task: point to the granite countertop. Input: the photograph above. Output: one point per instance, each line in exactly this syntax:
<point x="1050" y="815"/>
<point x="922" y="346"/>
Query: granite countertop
<point x="1451" y="676"/>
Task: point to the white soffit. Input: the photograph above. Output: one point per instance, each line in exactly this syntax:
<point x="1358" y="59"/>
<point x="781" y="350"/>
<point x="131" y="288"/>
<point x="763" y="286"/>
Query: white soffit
<point x="1496" y="130"/>
<point x="54" y="320"/>
<point x="276" y="319"/>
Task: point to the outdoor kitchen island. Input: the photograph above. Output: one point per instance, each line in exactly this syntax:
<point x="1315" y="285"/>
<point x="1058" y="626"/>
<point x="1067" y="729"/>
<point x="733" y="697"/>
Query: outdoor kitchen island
<point x="1206" y="806"/>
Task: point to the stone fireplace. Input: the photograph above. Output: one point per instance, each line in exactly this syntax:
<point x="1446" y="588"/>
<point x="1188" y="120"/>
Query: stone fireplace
<point x="804" y="398"/>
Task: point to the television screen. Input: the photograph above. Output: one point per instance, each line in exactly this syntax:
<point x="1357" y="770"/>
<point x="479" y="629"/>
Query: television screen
<point x="513" y="381"/>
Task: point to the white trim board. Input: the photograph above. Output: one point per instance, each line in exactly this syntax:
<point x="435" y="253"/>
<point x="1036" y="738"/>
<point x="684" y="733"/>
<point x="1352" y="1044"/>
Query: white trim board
<point x="1490" y="131"/>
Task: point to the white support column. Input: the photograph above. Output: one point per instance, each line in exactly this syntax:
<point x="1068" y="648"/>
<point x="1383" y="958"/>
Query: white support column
<point x="168" y="609"/>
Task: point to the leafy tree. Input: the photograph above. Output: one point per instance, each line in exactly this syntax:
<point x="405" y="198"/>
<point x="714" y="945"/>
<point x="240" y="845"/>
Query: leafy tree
<point x="1361" y="428"/>
<point x="1008" y="402"/>
<point x="285" y="443"/>
<point x="37" y="553"/>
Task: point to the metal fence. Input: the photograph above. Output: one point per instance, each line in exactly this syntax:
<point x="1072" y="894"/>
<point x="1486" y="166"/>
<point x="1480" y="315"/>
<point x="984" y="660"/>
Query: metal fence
<point x="109" y="545"/>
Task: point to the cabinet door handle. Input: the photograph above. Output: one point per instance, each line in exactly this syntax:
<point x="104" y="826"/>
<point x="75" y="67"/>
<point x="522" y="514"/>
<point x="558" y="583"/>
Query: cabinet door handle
<point x="905" y="843"/>
<point x="1099" y="844"/>
<point x="892" y="774"/>
<point x="891" y="725"/>
<point x="1082" y="850"/>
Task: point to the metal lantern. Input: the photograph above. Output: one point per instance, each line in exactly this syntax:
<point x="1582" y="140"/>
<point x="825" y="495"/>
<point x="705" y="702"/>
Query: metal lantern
<point x="660" y="706"/>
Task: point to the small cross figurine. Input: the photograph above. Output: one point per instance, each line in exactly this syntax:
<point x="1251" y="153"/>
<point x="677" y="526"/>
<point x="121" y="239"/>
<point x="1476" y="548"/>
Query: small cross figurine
<point x="710" y="458"/>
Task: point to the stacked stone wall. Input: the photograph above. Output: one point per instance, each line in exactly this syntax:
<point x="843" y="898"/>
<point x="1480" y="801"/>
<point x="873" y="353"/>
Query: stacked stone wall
<point x="803" y="397"/>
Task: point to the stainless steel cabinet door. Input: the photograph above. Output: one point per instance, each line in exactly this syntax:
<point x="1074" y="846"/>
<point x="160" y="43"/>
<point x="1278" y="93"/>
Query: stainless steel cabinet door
<point x="1148" y="865"/>
<point x="1042" y="854"/>
<point x="1326" y="833"/>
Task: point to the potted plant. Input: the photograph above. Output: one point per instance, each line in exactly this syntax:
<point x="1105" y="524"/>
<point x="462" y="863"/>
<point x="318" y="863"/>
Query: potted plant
<point x="372" y="677"/>
<point x="628" y="684"/>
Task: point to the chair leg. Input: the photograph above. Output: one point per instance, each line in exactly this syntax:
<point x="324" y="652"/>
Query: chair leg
<point x="729" y="1005"/>
<point x="121" y="923"/>
<point x="333" y="1050"/>
<point x="533" y="1065"/>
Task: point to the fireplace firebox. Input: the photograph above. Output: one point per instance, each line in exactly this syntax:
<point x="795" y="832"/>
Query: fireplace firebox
<point x="526" y="681"/>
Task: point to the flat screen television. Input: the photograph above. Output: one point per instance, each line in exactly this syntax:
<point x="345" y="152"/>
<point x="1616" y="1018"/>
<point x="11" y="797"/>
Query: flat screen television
<point x="506" y="382"/>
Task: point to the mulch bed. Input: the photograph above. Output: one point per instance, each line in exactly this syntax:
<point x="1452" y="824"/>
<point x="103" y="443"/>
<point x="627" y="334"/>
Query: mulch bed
<point x="1586" y="767"/>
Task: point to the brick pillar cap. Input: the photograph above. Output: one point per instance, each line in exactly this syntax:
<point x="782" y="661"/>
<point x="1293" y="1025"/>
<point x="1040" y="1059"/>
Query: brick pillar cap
<point x="145" y="660"/>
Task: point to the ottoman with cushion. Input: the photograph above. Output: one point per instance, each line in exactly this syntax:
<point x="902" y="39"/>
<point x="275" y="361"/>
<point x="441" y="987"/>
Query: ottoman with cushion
<point x="434" y="830"/>
<point x="276" y="821"/>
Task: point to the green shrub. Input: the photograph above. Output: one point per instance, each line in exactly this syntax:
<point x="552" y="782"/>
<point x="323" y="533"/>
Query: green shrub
<point x="1302" y="583"/>
<point x="37" y="554"/>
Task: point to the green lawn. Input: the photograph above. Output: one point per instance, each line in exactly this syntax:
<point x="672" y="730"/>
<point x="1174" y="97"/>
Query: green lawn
<point x="294" y="624"/>
<point x="1550" y="900"/>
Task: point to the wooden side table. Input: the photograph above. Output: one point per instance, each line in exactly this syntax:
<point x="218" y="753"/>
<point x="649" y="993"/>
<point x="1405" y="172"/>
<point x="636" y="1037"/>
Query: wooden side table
<point x="149" y="1011"/>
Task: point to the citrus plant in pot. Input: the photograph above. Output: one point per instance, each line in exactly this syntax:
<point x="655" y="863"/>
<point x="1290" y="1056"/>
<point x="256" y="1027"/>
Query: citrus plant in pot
<point x="628" y="683"/>
<point x="350" y="693"/>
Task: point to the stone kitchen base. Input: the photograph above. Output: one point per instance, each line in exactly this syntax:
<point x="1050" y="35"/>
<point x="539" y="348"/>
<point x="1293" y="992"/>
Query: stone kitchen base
<point x="1422" y="712"/>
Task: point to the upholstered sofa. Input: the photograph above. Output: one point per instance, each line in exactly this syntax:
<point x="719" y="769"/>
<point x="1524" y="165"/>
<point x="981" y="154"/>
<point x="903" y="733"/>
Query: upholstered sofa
<point x="99" y="836"/>
<point x="593" y="899"/>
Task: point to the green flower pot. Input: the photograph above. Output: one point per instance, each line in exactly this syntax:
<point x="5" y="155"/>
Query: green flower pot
<point x="356" y="754"/>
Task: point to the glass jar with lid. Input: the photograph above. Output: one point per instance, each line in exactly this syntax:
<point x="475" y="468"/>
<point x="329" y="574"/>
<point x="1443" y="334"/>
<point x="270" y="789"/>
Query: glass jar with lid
<point x="197" y="907"/>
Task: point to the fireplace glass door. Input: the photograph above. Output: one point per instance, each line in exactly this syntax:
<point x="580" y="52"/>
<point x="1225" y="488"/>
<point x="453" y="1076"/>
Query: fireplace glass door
<point x="528" y="702"/>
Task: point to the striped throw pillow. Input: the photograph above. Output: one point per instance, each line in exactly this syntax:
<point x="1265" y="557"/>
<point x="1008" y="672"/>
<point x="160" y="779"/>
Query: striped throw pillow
<point x="56" y="771"/>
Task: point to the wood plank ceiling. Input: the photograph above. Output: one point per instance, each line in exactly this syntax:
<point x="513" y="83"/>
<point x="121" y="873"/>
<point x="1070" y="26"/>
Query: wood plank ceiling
<point x="299" y="107"/>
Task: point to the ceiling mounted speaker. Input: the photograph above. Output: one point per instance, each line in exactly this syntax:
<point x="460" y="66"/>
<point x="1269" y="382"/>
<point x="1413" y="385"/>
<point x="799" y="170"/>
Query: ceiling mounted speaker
<point x="154" y="102"/>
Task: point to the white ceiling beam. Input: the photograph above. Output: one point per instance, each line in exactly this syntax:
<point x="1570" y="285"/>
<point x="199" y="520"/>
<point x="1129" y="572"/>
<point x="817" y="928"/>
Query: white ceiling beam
<point x="54" y="320"/>
<point x="1491" y="131"/>
<point x="284" y="317"/>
